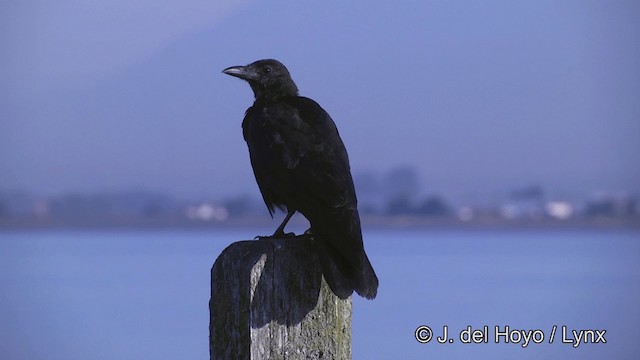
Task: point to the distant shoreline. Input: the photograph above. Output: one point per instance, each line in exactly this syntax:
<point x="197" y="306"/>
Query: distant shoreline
<point x="368" y="222"/>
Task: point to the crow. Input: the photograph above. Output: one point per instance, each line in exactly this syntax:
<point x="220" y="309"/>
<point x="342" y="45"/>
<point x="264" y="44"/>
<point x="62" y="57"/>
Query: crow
<point x="300" y="164"/>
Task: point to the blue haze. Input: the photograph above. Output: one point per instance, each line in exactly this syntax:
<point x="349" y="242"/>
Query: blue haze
<point x="478" y="96"/>
<point x="144" y="294"/>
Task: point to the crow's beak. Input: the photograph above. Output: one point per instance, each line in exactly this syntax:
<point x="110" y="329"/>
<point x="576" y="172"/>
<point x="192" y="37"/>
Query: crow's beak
<point x="242" y="72"/>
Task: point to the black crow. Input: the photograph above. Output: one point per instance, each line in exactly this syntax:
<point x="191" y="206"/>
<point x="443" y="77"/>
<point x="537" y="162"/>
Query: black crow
<point x="301" y="164"/>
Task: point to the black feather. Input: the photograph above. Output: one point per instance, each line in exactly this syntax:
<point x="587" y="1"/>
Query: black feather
<point x="301" y="164"/>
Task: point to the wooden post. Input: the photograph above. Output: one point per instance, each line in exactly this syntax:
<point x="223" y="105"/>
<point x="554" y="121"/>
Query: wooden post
<point x="270" y="301"/>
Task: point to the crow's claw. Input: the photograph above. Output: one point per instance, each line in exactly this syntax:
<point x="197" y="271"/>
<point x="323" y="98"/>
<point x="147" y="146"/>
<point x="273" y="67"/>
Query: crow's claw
<point x="276" y="235"/>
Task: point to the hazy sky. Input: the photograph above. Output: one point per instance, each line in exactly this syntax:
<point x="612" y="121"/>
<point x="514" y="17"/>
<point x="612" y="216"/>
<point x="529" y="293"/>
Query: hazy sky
<point x="477" y="95"/>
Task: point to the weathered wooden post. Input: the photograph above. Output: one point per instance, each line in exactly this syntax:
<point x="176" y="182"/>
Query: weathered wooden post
<point x="270" y="301"/>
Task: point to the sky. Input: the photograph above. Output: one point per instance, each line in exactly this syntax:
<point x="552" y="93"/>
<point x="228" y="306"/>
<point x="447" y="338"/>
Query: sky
<point x="477" y="96"/>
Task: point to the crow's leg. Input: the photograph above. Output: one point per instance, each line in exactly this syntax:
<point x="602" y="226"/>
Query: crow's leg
<point x="280" y="230"/>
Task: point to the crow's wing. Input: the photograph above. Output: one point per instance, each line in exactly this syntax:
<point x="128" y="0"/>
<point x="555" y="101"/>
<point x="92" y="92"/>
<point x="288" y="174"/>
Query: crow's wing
<point x="322" y="169"/>
<point x="296" y="150"/>
<point x="300" y="163"/>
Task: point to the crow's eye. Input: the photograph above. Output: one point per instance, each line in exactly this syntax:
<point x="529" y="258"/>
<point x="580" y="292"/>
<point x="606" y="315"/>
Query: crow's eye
<point x="267" y="70"/>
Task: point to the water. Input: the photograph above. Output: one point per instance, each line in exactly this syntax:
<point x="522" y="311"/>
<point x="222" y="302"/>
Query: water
<point x="144" y="294"/>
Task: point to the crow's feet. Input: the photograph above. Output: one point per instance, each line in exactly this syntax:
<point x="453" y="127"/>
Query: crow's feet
<point x="276" y="235"/>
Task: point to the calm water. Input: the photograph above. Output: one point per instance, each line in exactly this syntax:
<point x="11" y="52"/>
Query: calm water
<point x="144" y="294"/>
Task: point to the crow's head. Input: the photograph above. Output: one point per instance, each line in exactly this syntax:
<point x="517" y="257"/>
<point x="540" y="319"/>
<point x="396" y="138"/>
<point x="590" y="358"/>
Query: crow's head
<point x="268" y="78"/>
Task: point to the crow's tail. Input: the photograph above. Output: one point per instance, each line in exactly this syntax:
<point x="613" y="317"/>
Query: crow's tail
<point x="344" y="275"/>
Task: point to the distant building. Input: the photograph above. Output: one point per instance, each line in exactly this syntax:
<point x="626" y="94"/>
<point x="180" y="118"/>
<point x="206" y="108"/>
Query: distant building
<point x="524" y="203"/>
<point x="612" y="206"/>
<point x="207" y="212"/>
<point x="434" y="206"/>
<point x="560" y="210"/>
